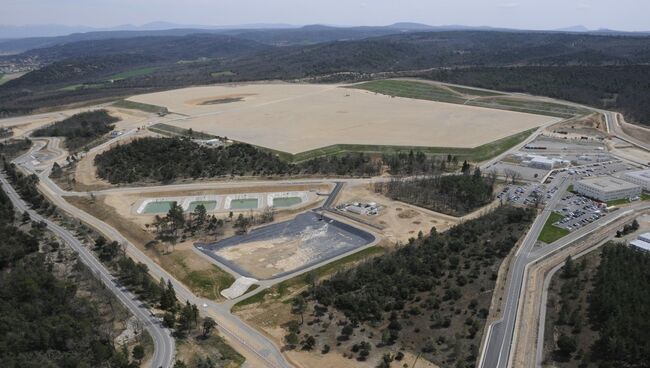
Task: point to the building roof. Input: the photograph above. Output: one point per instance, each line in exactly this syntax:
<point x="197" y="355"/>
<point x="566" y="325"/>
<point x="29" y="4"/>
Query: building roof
<point x="640" y="174"/>
<point x="608" y="183"/>
<point x="641" y="244"/>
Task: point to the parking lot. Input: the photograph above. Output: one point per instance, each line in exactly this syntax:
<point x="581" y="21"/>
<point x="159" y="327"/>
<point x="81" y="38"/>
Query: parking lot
<point x="578" y="211"/>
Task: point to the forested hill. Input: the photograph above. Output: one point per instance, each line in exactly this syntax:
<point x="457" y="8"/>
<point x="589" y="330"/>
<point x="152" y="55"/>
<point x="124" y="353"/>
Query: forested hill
<point x="79" y="129"/>
<point x="85" y="70"/>
<point x="431" y="295"/>
<point x="44" y="322"/>
<point x="625" y="88"/>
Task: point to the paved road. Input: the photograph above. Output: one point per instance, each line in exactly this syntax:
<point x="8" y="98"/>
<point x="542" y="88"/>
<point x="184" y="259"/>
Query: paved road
<point x="499" y="336"/>
<point x="164" y="346"/>
<point x="259" y="350"/>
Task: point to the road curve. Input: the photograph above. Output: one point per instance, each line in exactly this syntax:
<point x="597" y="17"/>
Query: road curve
<point x="164" y="345"/>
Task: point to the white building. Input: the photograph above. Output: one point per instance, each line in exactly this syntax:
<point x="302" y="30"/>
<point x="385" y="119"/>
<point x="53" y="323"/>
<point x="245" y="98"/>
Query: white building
<point x="640" y="178"/>
<point x="640" y="245"/>
<point x="607" y="188"/>
<point x="543" y="162"/>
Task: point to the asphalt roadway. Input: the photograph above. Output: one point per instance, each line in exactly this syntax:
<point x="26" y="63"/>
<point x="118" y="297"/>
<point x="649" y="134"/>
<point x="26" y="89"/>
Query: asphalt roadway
<point x="499" y="335"/>
<point x="258" y="350"/>
<point x="164" y="345"/>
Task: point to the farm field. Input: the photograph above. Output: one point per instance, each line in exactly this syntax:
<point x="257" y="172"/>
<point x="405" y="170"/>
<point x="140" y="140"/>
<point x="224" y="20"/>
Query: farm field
<point x="295" y="118"/>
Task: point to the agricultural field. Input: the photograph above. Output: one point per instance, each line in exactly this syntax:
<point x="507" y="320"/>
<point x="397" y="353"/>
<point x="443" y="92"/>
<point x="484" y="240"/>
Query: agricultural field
<point x="295" y="118"/>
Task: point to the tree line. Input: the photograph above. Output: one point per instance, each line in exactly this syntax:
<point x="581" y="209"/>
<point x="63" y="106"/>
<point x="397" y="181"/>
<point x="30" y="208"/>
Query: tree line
<point x="617" y="87"/>
<point x="451" y="194"/>
<point x="80" y="129"/>
<point x="168" y="159"/>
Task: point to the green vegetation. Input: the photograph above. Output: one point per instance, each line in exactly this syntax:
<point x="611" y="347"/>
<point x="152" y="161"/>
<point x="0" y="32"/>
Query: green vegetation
<point x="619" y="88"/>
<point x="433" y="290"/>
<point x="13" y="148"/>
<point x="412" y="89"/>
<point x="301" y="281"/>
<point x="454" y="195"/>
<point x="133" y="73"/>
<point x="165" y="159"/>
<point x="550" y="232"/>
<point x="433" y="92"/>
<point x="46" y="323"/>
<point x="529" y="106"/>
<point x="474" y="92"/>
<point x="620" y="307"/>
<point x="80" y="129"/>
<point x="602" y="310"/>
<point x="476" y="154"/>
<point x="618" y="202"/>
<point x="208" y="283"/>
<point x="174" y="131"/>
<point x="126" y="104"/>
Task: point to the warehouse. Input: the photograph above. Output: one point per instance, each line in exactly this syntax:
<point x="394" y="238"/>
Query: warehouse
<point x="642" y="242"/>
<point x="607" y="188"/>
<point x="640" y="178"/>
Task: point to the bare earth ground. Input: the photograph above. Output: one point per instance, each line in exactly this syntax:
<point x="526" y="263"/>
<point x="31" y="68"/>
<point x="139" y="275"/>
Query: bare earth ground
<point x="86" y="172"/>
<point x="640" y="133"/>
<point x="400" y="221"/>
<point x="592" y="126"/>
<point x="180" y="260"/>
<point x="299" y="117"/>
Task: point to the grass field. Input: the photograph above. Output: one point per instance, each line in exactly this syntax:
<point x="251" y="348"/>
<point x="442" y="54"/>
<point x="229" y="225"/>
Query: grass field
<point x="494" y="100"/>
<point x="2" y="76"/>
<point x="133" y="73"/>
<point x="174" y="131"/>
<point x="528" y="106"/>
<point x="550" y="232"/>
<point x="410" y="89"/>
<point x="126" y="104"/>
<point x="474" y="92"/>
<point x="476" y="154"/>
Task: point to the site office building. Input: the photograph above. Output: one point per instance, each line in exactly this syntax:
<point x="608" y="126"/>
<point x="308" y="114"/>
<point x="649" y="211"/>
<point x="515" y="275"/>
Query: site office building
<point x="607" y="188"/>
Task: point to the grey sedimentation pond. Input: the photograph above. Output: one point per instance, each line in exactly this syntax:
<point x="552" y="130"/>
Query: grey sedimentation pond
<point x="321" y="237"/>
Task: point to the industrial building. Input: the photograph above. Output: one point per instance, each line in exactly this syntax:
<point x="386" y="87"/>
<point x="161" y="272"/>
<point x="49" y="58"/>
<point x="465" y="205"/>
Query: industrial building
<point x="607" y="188"/>
<point x="640" y="178"/>
<point x="542" y="162"/>
<point x="642" y="242"/>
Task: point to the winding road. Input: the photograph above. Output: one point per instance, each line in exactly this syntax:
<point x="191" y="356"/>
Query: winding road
<point x="164" y="345"/>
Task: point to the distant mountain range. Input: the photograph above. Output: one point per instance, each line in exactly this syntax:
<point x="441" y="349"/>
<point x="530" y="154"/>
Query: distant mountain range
<point x="53" y="30"/>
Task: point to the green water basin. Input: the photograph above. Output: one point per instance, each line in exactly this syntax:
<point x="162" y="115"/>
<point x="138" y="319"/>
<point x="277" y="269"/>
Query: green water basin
<point x="209" y="205"/>
<point x="243" y="204"/>
<point x="158" y="207"/>
<point x="286" y="201"/>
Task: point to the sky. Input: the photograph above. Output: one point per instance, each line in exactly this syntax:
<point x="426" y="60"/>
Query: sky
<point x="627" y="15"/>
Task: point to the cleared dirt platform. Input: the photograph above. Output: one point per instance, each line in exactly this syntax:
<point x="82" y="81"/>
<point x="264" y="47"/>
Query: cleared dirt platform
<point x="278" y="249"/>
<point x="299" y="117"/>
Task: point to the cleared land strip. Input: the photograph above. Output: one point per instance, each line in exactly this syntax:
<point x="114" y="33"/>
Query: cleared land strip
<point x="439" y="92"/>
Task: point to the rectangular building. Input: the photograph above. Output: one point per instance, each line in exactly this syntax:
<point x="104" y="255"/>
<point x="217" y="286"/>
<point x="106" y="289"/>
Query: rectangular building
<point x="640" y="178"/>
<point x="640" y="245"/>
<point x="607" y="188"/>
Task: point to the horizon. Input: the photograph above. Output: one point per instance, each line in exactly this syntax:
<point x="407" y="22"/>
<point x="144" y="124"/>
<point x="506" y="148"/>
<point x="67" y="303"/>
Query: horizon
<point x="625" y="15"/>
